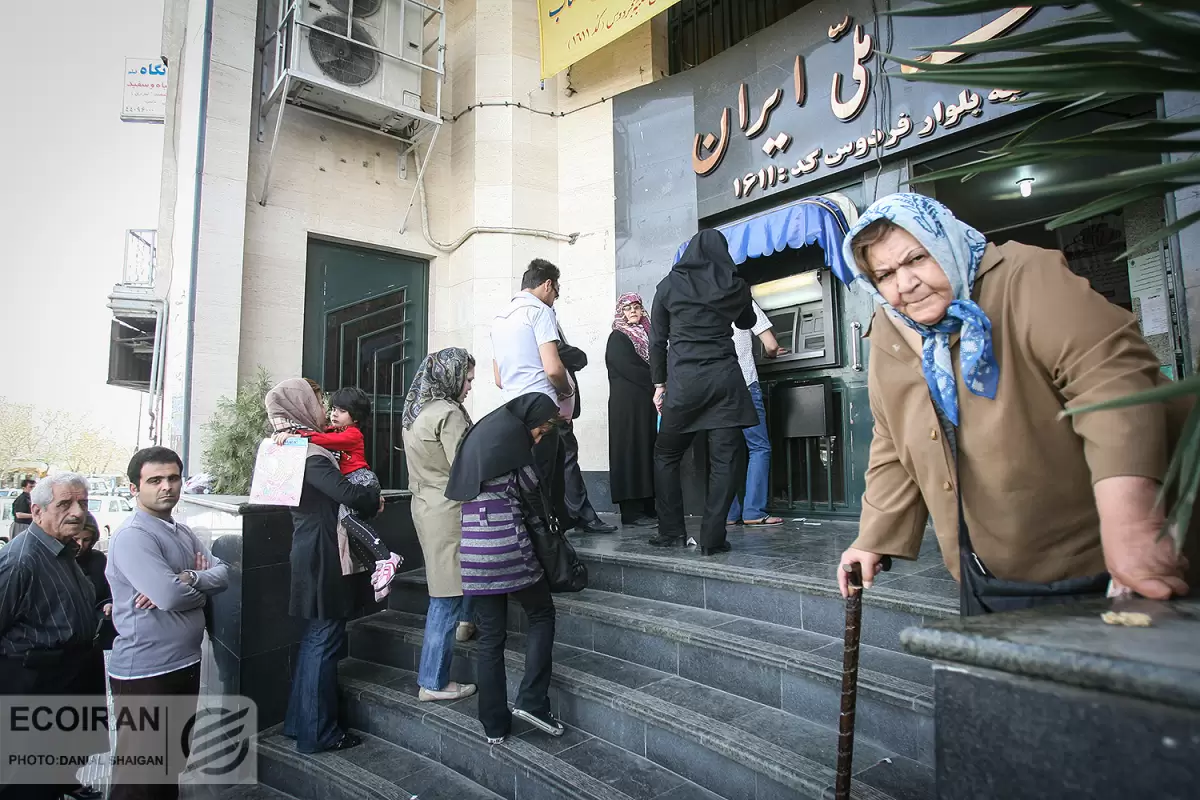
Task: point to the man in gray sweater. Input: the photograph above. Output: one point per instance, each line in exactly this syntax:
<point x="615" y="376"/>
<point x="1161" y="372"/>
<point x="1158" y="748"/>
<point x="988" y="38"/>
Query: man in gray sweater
<point x="161" y="576"/>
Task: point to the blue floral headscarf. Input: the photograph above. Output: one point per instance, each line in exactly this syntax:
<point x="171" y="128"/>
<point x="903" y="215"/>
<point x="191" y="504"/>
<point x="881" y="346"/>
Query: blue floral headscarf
<point x="958" y="249"/>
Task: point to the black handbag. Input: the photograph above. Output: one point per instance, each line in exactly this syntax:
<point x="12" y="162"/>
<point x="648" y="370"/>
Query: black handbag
<point x="981" y="592"/>
<point x="564" y="571"/>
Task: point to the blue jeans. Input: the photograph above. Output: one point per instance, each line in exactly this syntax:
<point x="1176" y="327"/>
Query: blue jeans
<point x="436" y="653"/>
<point x="312" y="712"/>
<point x="758" y="468"/>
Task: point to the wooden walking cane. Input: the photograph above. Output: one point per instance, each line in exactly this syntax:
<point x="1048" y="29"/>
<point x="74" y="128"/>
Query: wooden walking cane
<point x="845" y="748"/>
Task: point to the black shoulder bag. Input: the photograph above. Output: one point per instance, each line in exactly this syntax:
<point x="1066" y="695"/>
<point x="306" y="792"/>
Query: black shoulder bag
<point x="564" y="571"/>
<point x="981" y="592"/>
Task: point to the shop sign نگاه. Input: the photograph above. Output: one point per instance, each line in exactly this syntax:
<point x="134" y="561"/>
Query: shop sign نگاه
<point x="145" y="95"/>
<point x="573" y="29"/>
<point x="848" y="97"/>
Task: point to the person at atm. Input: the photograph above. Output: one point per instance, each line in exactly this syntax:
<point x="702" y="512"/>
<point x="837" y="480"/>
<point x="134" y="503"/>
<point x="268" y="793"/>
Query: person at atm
<point x="698" y="386"/>
<point x="751" y="510"/>
<point x="976" y="350"/>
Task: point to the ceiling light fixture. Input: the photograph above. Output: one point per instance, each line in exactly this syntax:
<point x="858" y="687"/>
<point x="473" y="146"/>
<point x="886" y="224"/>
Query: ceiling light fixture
<point x="1026" y="185"/>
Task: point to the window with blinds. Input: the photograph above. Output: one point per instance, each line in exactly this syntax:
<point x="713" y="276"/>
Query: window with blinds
<point x="699" y="29"/>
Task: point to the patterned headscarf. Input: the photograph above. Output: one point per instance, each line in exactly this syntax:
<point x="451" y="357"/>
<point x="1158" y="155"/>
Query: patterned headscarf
<point x="958" y="249"/>
<point x="638" y="334"/>
<point x="440" y="377"/>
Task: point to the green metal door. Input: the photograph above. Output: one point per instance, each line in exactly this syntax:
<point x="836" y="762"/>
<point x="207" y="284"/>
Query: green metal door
<point x="365" y="317"/>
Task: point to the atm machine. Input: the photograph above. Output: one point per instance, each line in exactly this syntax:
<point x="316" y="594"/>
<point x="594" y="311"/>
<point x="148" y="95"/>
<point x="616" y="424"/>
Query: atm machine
<point x="802" y="420"/>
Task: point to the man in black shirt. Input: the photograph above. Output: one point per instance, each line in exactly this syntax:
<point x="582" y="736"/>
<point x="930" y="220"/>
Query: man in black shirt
<point x="23" y="507"/>
<point x="48" y="614"/>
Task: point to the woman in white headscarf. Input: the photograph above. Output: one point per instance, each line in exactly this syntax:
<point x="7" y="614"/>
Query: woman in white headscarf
<point x="975" y="351"/>
<point x="321" y="594"/>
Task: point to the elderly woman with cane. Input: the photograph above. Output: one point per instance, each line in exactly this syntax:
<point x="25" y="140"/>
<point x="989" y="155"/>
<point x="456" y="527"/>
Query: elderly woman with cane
<point x="976" y="350"/>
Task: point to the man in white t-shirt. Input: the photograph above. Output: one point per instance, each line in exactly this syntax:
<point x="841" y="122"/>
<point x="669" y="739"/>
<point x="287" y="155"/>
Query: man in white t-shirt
<point x="525" y="346"/>
<point x="752" y="511"/>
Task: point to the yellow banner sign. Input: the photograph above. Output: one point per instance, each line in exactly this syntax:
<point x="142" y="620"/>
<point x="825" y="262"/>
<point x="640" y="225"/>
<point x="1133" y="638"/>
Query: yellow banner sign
<point x="573" y="29"/>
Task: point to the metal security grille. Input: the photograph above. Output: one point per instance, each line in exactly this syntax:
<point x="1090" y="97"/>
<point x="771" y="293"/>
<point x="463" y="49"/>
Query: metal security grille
<point x="699" y="29"/>
<point x="371" y="345"/>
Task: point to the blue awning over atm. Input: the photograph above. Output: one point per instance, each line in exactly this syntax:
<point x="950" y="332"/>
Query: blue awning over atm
<point x="813" y="220"/>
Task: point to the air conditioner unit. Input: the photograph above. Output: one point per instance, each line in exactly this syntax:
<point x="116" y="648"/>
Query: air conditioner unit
<point x="349" y="79"/>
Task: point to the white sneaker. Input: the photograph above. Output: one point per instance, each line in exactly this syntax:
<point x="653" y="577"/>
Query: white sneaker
<point x="453" y="691"/>
<point x="543" y="722"/>
<point x="691" y="542"/>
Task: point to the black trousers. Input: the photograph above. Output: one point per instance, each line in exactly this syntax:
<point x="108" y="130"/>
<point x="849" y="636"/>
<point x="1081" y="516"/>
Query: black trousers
<point x="79" y="672"/>
<point x="184" y="681"/>
<point x="633" y="510"/>
<point x="365" y="544"/>
<point x="574" y="489"/>
<point x="726" y="466"/>
<point x="491" y="621"/>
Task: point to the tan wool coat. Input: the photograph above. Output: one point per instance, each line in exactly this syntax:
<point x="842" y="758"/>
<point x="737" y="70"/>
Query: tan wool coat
<point x="1025" y="475"/>
<point x="429" y="447"/>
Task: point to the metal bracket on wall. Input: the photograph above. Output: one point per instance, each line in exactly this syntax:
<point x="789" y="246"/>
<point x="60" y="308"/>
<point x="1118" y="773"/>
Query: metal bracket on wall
<point x="262" y="196"/>
<point x="291" y="80"/>
<point x="420" y="176"/>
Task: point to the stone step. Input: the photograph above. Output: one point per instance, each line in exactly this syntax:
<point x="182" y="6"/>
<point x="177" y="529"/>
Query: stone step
<point x="781" y="667"/>
<point x="250" y="791"/>
<point x="530" y="765"/>
<point x="375" y="770"/>
<point x="734" y="746"/>
<point x="783" y="575"/>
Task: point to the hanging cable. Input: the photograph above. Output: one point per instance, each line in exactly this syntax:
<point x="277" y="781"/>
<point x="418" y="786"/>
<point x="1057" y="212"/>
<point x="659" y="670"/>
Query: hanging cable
<point x="530" y="109"/>
<point x="569" y="238"/>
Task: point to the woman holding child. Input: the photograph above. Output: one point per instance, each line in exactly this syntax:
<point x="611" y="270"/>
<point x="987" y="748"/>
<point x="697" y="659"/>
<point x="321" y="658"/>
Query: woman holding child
<point x="322" y="593"/>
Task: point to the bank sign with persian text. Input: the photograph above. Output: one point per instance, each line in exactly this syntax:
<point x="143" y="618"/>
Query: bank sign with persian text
<point x="816" y="102"/>
<point x="571" y="30"/>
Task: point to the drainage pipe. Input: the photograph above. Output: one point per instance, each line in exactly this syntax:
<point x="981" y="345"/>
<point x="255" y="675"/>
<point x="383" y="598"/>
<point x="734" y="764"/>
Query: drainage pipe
<point x="194" y="266"/>
<point x="444" y="247"/>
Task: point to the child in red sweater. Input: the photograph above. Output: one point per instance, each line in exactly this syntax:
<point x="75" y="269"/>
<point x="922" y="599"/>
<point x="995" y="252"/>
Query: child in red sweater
<point x="349" y="409"/>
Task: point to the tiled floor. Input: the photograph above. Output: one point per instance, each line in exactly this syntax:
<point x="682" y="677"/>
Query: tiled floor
<point x="810" y="548"/>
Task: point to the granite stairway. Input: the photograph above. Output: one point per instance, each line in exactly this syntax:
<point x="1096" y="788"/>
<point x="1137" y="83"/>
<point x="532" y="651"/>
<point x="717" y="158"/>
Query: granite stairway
<point x="678" y="677"/>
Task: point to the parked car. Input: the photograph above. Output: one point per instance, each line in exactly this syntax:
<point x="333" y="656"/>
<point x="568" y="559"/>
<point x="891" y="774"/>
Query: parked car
<point x="110" y="511"/>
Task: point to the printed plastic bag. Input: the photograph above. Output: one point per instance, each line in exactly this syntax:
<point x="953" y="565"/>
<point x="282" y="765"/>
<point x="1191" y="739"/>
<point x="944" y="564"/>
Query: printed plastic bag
<point x="279" y="472"/>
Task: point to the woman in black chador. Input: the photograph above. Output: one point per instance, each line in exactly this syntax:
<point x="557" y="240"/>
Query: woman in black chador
<point x="699" y="385"/>
<point x="632" y="417"/>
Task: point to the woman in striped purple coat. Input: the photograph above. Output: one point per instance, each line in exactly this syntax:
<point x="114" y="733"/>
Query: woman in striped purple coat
<point x="494" y="477"/>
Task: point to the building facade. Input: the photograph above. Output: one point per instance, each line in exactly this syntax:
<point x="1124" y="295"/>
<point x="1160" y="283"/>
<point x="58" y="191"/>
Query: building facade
<point x="343" y="243"/>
